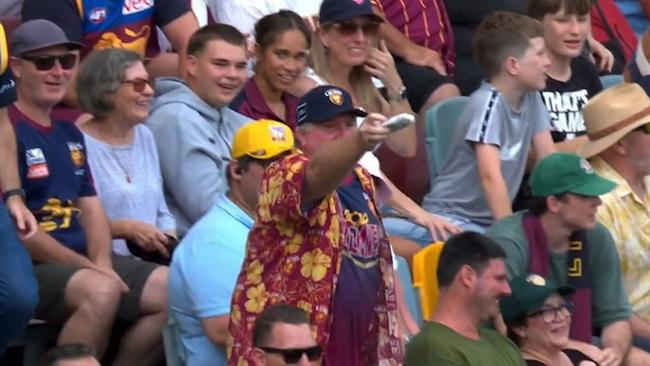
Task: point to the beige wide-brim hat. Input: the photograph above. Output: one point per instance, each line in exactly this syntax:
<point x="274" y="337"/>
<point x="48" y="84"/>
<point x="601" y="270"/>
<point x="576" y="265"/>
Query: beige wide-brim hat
<point x="612" y="114"/>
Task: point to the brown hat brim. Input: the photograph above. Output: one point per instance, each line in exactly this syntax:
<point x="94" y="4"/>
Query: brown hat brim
<point x="594" y="147"/>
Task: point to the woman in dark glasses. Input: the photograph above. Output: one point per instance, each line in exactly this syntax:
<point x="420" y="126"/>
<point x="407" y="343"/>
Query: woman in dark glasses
<point x="113" y="86"/>
<point x="538" y="317"/>
<point x="281" y="55"/>
<point x="346" y="52"/>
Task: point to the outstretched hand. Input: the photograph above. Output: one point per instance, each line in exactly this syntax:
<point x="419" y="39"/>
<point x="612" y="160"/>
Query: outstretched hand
<point x="371" y="132"/>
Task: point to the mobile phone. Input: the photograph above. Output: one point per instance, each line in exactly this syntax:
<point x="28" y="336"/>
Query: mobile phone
<point x="397" y="122"/>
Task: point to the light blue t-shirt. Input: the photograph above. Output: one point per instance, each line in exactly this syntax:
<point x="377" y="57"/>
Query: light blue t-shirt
<point x="202" y="277"/>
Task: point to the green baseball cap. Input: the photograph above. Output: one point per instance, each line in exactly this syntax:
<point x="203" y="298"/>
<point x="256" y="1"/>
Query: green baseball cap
<point x="529" y="291"/>
<point x="567" y="173"/>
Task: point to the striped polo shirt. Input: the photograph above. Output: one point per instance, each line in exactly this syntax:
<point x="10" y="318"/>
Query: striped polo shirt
<point x="425" y="22"/>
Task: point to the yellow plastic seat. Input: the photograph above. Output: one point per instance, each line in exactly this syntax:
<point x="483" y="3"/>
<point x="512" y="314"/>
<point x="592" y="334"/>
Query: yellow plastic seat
<point x="425" y="280"/>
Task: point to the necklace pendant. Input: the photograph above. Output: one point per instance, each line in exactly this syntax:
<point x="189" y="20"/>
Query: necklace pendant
<point x="128" y="179"/>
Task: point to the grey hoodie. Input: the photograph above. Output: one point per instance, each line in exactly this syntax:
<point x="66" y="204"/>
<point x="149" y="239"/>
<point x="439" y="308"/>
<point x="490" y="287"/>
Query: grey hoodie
<point x="193" y="141"/>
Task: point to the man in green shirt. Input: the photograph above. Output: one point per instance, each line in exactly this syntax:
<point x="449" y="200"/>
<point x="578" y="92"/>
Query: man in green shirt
<point x="472" y="278"/>
<point x="559" y="238"/>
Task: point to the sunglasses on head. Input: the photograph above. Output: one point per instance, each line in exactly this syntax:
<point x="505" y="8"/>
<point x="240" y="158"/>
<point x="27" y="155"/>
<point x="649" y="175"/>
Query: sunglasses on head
<point x="293" y="355"/>
<point x="46" y="62"/>
<point x="645" y="128"/>
<point x="350" y="27"/>
<point x="139" y="84"/>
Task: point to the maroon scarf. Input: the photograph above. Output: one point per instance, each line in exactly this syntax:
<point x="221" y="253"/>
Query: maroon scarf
<point x="578" y="272"/>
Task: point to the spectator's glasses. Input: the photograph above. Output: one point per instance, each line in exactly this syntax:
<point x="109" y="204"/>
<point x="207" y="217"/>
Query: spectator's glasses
<point x="139" y="84"/>
<point x="550" y="313"/>
<point x="46" y="62"/>
<point x="293" y="355"/>
<point x="349" y="27"/>
<point x="645" y="128"/>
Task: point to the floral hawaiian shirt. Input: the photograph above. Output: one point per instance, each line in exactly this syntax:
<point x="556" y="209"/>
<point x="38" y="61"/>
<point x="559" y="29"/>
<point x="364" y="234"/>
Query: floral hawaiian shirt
<point x="294" y="257"/>
<point x="627" y="217"/>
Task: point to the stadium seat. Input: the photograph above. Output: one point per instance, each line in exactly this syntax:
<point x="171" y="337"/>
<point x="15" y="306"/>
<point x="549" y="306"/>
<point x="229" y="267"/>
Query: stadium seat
<point x="425" y="282"/>
<point x="611" y="80"/>
<point x="409" y="292"/>
<point x="35" y="340"/>
<point x="441" y="124"/>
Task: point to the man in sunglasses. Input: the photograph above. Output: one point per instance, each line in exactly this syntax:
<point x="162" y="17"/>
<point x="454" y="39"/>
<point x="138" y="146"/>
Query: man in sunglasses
<point x="205" y="265"/>
<point x="81" y="286"/>
<point x="618" y="127"/>
<point x="558" y="238"/>
<point x="18" y="287"/>
<point x="282" y="336"/>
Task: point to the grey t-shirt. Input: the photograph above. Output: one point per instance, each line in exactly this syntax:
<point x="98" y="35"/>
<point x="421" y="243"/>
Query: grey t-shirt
<point x="487" y="119"/>
<point x="128" y="182"/>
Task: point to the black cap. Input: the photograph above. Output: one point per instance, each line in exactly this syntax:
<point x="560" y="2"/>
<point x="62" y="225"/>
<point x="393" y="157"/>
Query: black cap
<point x="325" y="102"/>
<point x="341" y="10"/>
<point x="38" y="34"/>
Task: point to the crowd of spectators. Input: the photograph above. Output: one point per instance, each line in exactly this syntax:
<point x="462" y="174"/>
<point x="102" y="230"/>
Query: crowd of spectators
<point x="222" y="173"/>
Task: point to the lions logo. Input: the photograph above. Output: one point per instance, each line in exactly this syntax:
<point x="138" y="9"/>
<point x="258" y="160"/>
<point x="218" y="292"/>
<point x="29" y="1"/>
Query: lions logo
<point x="536" y="280"/>
<point x="335" y="96"/>
<point x="77" y="154"/>
<point x="277" y="133"/>
<point x="586" y="166"/>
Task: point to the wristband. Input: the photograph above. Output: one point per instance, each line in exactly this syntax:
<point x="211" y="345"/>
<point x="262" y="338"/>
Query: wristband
<point x="13" y="192"/>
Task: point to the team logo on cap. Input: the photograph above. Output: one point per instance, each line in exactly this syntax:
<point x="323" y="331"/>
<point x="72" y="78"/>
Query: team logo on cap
<point x="277" y="133"/>
<point x="536" y="280"/>
<point x="586" y="166"/>
<point x="335" y="96"/>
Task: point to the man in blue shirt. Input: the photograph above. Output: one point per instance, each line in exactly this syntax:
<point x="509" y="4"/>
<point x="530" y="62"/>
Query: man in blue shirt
<point x="206" y="264"/>
<point x="81" y="286"/>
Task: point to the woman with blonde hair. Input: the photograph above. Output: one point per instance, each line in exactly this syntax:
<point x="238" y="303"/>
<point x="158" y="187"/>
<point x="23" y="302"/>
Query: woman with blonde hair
<point x="344" y="54"/>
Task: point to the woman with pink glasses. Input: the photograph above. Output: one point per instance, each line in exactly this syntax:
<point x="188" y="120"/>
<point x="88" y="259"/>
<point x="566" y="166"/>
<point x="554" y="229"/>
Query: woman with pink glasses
<point x="113" y="86"/>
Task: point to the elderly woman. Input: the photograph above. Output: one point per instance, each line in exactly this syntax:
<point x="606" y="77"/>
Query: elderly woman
<point x="538" y="316"/>
<point x="113" y="86"/>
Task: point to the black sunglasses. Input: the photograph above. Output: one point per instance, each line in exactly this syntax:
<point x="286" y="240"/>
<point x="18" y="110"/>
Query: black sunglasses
<point x="46" y="62"/>
<point x="293" y="355"/>
<point x="139" y="84"/>
<point x="350" y="27"/>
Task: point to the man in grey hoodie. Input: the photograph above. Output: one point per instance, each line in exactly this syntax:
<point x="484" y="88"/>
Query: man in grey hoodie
<point x="192" y="125"/>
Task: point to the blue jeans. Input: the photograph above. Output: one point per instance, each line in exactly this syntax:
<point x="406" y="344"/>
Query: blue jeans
<point x="18" y="287"/>
<point x="408" y="229"/>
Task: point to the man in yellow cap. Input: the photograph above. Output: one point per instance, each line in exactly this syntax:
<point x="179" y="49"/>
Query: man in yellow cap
<point x="618" y="128"/>
<point x="205" y="265"/>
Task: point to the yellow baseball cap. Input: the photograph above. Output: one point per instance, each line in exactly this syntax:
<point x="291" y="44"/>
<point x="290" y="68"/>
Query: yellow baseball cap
<point x="262" y="139"/>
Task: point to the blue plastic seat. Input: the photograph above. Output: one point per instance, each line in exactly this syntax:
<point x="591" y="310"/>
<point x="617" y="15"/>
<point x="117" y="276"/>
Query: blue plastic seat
<point x="441" y="125"/>
<point x="611" y="80"/>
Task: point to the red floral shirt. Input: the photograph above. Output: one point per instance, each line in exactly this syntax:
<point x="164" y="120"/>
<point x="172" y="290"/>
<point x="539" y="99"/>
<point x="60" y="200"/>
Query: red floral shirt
<point x="294" y="256"/>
